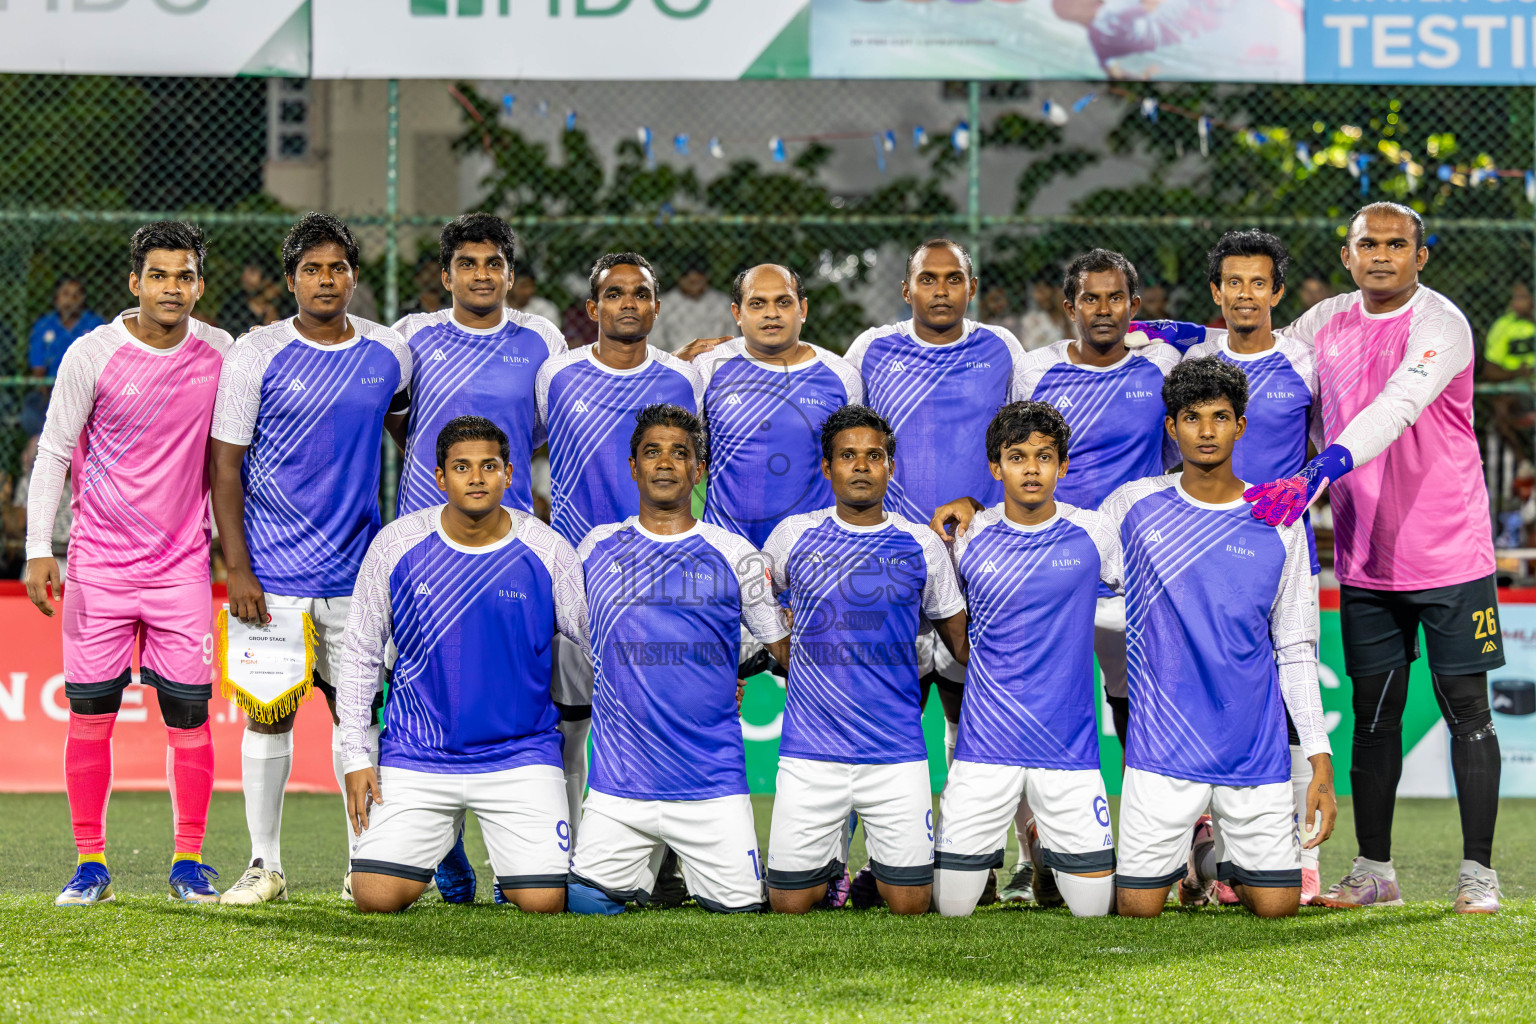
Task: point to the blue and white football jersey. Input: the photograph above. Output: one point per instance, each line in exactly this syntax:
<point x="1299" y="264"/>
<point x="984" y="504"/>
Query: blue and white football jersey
<point x="471" y="371"/>
<point x="1282" y="411"/>
<point x="588" y="412"/>
<point x="1221" y="634"/>
<point x="1030" y="590"/>
<point x="765" y="435"/>
<point x="939" y="400"/>
<point x="312" y="418"/>
<point x="474" y="628"/>
<point x="665" y="633"/>
<point x="859" y="595"/>
<point x="1115" y="412"/>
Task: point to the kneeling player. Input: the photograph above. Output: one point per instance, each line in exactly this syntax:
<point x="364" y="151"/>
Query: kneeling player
<point x="471" y="594"/>
<point x="1030" y="569"/>
<point x="668" y="596"/>
<point x="860" y="582"/>
<point x="1214" y="602"/>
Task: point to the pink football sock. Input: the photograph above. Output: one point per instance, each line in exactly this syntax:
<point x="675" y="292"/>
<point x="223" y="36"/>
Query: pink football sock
<point x="88" y="778"/>
<point x="189" y="770"/>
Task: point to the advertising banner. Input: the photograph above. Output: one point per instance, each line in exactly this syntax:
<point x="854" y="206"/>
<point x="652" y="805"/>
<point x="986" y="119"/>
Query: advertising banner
<point x="559" y="39"/>
<point x="1180" y="40"/>
<point x="1470" y="42"/>
<point x="155" y="37"/>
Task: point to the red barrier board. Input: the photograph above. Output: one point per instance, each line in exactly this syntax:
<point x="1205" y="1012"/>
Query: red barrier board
<point x="34" y="717"/>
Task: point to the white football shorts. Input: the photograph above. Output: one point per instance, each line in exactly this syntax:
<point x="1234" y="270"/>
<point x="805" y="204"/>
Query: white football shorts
<point x="1070" y="807"/>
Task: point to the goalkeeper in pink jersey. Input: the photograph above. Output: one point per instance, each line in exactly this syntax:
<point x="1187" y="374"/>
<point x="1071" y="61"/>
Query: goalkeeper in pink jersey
<point x="1412" y="538"/>
<point x="129" y="421"/>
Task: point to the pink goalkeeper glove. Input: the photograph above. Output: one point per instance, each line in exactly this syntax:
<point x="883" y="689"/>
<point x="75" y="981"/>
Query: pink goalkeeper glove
<point x="1281" y="502"/>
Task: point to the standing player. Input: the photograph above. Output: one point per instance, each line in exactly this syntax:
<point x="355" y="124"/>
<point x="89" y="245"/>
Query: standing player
<point x="1412" y="541"/>
<point x="1247" y="277"/>
<point x="668" y="597"/>
<point x="128" y="420"/>
<point x="479" y="357"/>
<point x="1030" y="569"/>
<point x="1223" y="642"/>
<point x="470" y="594"/>
<point x="861" y="582"/>
<point x="937" y="379"/>
<point x="297" y="434"/>
<point x="765" y="395"/>
<point x="587" y="400"/>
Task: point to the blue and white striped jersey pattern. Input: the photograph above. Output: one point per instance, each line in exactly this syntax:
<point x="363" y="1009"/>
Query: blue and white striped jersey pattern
<point x="470" y="371"/>
<point x="312" y="417"/>
<point x="1283" y="411"/>
<point x="1115" y="412"/>
<point x="1030" y="591"/>
<point x="588" y="412"/>
<point x="474" y="630"/>
<point x="665" y="636"/>
<point x="939" y="400"/>
<point x="765" y="435"/>
<point x="859" y="595"/>
<point x="1214" y="599"/>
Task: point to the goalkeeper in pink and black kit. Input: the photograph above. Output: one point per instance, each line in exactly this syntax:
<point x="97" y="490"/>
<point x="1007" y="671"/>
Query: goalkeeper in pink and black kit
<point x="1413" y="545"/>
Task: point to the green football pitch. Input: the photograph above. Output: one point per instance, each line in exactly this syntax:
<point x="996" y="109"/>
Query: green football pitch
<point x="313" y="958"/>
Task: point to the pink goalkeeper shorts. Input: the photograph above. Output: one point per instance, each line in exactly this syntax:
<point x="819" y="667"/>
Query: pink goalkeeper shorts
<point x="172" y="627"/>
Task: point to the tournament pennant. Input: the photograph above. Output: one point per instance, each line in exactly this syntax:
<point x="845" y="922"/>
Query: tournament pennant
<point x="267" y="670"/>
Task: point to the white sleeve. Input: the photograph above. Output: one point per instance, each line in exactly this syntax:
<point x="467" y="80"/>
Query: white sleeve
<point x="74" y="396"/>
<point x="853" y="384"/>
<point x="1028" y="372"/>
<point x="402" y="351"/>
<point x="239" y="399"/>
<point x="1304" y="328"/>
<point x="760" y="613"/>
<point x="1105" y="534"/>
<point x="541" y="396"/>
<point x="369" y="627"/>
<point x="1293" y="632"/>
<point x="567" y="579"/>
<point x="1439" y="348"/>
<point x="856" y="351"/>
<point x="776" y="551"/>
<point x="941" y="590"/>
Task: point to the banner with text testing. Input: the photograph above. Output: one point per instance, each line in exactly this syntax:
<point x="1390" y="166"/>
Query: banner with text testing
<point x="1469" y="42"/>
<point x="34" y="718"/>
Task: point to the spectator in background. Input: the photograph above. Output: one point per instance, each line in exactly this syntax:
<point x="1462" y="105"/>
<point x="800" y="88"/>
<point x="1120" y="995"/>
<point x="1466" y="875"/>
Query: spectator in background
<point x="261" y="300"/>
<point x="1154" y="303"/>
<point x="1509" y="354"/>
<point x="692" y="310"/>
<point x="525" y="296"/>
<point x="1046" y="321"/>
<point x="56" y="331"/>
<point x="13" y="510"/>
<point x="996" y="308"/>
<point x="1314" y="289"/>
<point x="429" y="297"/>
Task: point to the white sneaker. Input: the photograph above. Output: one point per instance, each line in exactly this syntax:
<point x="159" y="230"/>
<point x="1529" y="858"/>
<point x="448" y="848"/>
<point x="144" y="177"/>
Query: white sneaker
<point x="1477" y="890"/>
<point x="257" y="885"/>
<point x="346" y="886"/>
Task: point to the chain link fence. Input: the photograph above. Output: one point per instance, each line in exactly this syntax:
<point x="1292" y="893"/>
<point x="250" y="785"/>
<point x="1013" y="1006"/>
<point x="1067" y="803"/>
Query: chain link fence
<point x="837" y="179"/>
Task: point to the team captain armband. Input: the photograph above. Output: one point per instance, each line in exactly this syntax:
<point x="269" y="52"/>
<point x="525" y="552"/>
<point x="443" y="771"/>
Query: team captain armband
<point x="266" y="670"/>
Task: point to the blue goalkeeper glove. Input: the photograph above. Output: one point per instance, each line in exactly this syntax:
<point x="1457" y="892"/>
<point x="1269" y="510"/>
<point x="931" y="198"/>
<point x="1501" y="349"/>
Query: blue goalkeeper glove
<point x="1178" y="333"/>
<point x="1282" y="502"/>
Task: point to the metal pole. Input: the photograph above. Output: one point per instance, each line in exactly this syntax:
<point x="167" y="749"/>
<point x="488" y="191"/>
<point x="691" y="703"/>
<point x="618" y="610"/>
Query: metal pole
<point x="973" y="173"/>
<point x="391" y="267"/>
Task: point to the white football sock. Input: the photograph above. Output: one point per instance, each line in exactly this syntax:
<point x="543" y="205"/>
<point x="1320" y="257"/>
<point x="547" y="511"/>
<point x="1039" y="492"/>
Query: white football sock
<point x="951" y="738"/>
<point x="1384" y="868"/>
<point x="1022" y="816"/>
<point x="1301" y="778"/>
<point x="266" y="760"/>
<point x="1086" y="897"/>
<point x="341" y="776"/>
<point x="955" y="893"/>
<point x="575" y="758"/>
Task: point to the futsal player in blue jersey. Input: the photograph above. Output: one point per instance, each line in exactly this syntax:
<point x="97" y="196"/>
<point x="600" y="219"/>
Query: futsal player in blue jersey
<point x="586" y="401"/>
<point x="937" y="379"/>
<point x="668" y="597"/>
<point x="765" y="396"/>
<point x="479" y="357"/>
<point x="471" y="594"/>
<point x="1223" y="642"/>
<point x="862" y="583"/>
<point x="1247" y="277"/>
<point x="1030" y="568"/>
<point x="297" y="431"/>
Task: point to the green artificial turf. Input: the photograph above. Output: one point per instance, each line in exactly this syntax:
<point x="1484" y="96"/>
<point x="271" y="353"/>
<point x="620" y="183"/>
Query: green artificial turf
<point x="313" y="958"/>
